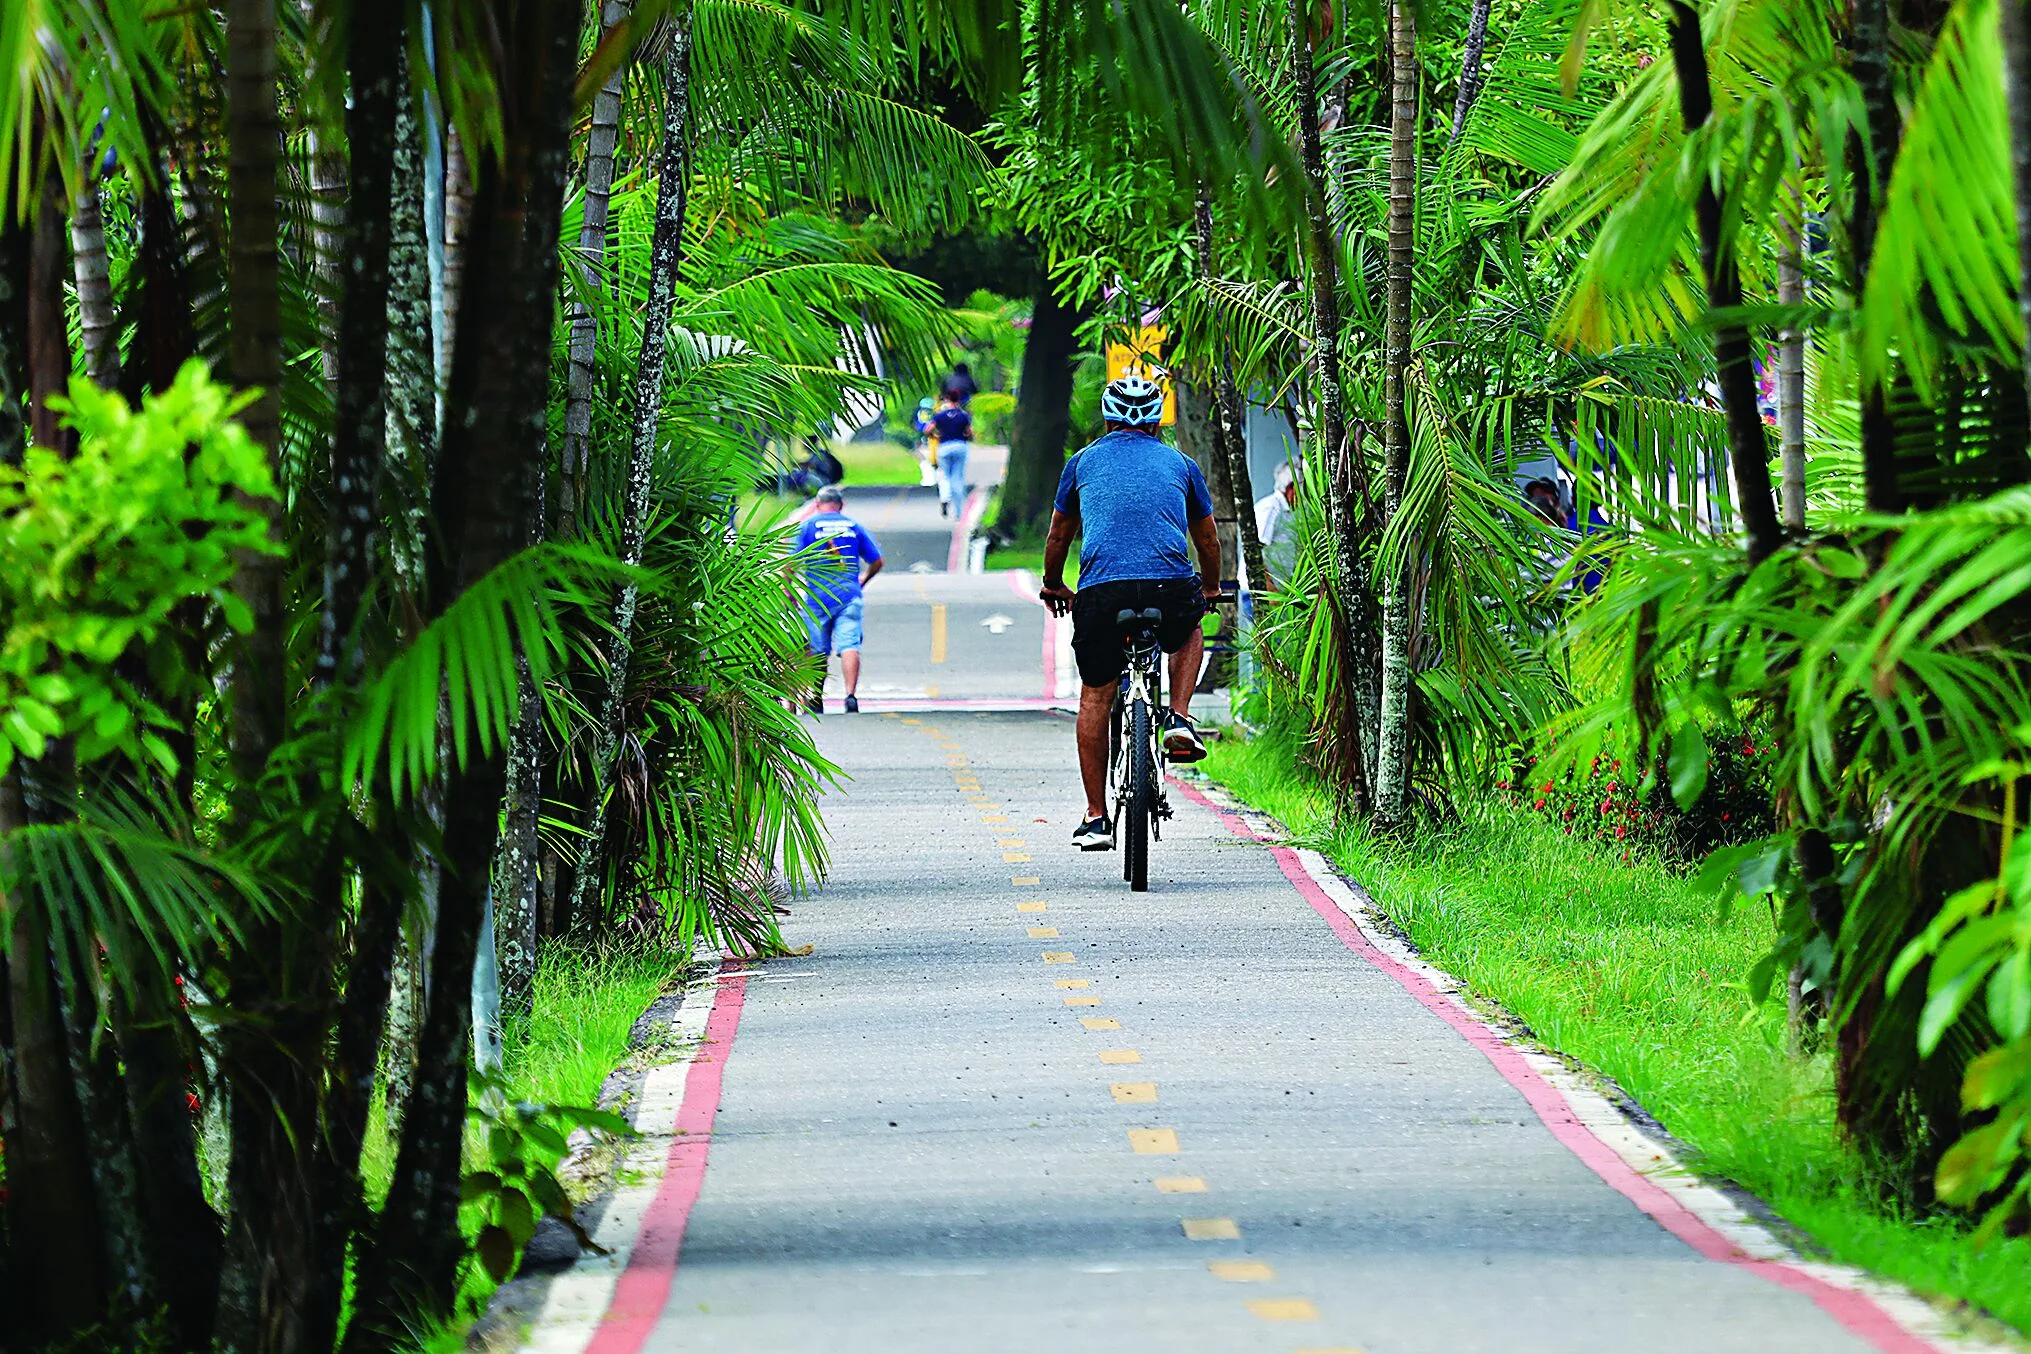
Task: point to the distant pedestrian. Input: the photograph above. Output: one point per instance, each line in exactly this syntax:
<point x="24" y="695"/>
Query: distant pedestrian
<point x="952" y="435"/>
<point x="960" y="387"/>
<point x="840" y="558"/>
<point x="927" y="460"/>
<point x="1276" y="526"/>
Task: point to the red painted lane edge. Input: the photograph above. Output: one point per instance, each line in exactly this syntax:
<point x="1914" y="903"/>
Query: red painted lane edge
<point x="1853" y="1310"/>
<point x="644" y="1286"/>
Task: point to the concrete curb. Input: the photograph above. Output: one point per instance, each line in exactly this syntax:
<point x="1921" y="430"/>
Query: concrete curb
<point x="577" y="1298"/>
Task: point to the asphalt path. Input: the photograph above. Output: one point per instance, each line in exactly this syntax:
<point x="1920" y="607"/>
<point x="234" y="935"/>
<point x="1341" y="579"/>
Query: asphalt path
<point x="1005" y="1105"/>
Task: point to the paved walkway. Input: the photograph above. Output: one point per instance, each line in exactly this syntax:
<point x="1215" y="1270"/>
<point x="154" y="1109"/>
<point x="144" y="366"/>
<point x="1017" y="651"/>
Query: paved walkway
<point x="1007" y="1106"/>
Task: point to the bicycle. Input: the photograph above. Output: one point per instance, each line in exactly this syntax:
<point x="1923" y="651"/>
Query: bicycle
<point x="1135" y="761"/>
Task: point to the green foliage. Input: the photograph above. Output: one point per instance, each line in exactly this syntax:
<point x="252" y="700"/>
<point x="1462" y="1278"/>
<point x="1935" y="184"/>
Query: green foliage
<point x="99" y="550"/>
<point x="524" y="1141"/>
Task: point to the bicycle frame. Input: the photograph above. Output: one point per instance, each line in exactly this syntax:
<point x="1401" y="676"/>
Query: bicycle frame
<point x="1138" y="772"/>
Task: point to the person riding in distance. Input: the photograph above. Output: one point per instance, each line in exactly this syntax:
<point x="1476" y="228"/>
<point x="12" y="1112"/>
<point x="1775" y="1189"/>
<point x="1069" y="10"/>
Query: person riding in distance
<point x="1137" y="502"/>
<point x="952" y="439"/>
<point x="841" y="557"/>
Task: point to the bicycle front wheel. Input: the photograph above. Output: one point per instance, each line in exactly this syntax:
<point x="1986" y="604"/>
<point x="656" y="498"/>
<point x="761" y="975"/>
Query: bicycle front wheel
<point x="1141" y="794"/>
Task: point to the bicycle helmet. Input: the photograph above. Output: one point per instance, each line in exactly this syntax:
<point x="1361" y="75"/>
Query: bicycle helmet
<point x="1134" y="400"/>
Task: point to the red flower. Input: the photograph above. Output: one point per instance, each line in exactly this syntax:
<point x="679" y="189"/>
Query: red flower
<point x="1621" y="831"/>
<point x="1538" y="805"/>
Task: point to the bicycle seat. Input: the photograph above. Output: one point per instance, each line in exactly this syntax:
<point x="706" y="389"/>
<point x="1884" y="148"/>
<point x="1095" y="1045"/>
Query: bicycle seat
<point x="1131" y="619"/>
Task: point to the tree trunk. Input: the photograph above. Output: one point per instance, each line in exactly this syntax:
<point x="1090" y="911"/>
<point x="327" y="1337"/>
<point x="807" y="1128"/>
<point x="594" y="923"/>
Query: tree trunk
<point x="49" y="343"/>
<point x="263" y="1288"/>
<point x="1347" y="515"/>
<point x="163" y="341"/>
<point x="182" y="1231"/>
<point x="360" y="395"/>
<point x="576" y="467"/>
<point x="98" y="325"/>
<point x="1229" y="429"/>
<point x="254" y="360"/>
<point x="2017" y="86"/>
<point x="1392" y="770"/>
<point x="58" y="1274"/>
<point x="1470" y="66"/>
<point x="412" y="362"/>
<point x="374" y="62"/>
<point x="494" y="433"/>
<point x="1748" y="448"/>
<point x="1043" y="416"/>
<point x="1869" y="58"/>
<point x="666" y="257"/>
<point x="15" y="247"/>
<point x="327" y="239"/>
<point x="1791" y="370"/>
<point x="519" y="869"/>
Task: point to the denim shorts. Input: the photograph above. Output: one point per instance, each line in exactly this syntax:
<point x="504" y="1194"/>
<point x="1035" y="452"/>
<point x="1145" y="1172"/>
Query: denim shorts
<point x="837" y="633"/>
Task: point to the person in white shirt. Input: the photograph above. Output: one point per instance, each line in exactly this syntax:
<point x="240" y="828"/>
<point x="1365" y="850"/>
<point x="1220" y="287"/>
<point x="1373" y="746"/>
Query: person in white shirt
<point x="1276" y="526"/>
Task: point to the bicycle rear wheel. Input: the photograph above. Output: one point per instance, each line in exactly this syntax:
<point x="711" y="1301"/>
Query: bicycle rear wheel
<point x="1141" y="794"/>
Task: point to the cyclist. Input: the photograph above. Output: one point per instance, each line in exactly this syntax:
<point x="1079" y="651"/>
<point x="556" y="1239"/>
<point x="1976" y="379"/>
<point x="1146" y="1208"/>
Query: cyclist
<point x="1137" y="502"/>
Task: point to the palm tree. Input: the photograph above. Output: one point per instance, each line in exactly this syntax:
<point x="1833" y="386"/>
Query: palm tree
<point x="1392" y="767"/>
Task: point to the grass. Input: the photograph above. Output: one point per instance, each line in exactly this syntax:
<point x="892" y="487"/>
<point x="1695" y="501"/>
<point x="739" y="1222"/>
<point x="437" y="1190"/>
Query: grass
<point x="585" y="1004"/>
<point x="1032" y="558"/>
<point x="1628" y="969"/>
<point x="872" y="464"/>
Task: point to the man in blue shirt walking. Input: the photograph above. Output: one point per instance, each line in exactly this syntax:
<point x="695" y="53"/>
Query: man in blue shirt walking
<point x="840" y="557"/>
<point x="1138" y="502"/>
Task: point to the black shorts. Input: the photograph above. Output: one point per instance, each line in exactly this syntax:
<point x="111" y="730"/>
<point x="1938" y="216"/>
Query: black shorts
<point x="1096" y="636"/>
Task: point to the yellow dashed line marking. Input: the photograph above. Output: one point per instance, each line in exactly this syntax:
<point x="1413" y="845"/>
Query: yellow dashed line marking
<point x="1119" y="1055"/>
<point x="913" y="721"/>
<point x="1241" y="1271"/>
<point x="1016" y="857"/>
<point x="938" y="632"/>
<point x="995" y="818"/>
<point x="1082" y="1001"/>
<point x="1043" y="933"/>
<point x="1134" y="1092"/>
<point x="1012" y="841"/>
<point x="1030" y="907"/>
<point x="1210" y="1229"/>
<point x="1100" y="1022"/>
<point x="1284" y="1309"/>
<point x="932" y="692"/>
<point x="1151" y="1142"/>
<point x="1057" y="956"/>
<point x="1180" y="1184"/>
<point x="1024" y="881"/>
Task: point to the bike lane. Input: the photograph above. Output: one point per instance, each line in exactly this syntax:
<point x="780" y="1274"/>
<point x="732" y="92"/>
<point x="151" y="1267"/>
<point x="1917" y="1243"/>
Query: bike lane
<point x="1006" y="1105"/>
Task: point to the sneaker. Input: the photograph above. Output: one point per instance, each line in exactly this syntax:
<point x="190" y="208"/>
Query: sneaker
<point x="816" y="705"/>
<point x="853" y="705"/>
<point x="1095" y="834"/>
<point x="1181" y="740"/>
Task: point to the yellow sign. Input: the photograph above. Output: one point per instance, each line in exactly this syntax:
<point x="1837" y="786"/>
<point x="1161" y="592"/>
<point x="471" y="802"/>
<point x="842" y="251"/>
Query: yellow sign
<point x="1139" y="356"/>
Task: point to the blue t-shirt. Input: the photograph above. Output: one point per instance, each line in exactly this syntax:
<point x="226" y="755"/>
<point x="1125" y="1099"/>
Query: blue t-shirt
<point x="953" y="425"/>
<point x="834" y="567"/>
<point x="1135" y="498"/>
